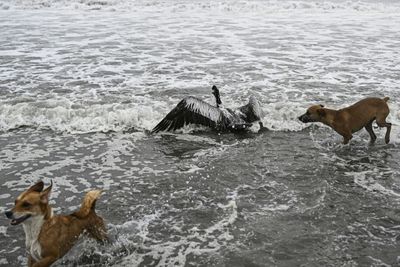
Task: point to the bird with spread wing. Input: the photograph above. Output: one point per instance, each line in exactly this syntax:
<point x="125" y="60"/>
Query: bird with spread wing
<point x="192" y="110"/>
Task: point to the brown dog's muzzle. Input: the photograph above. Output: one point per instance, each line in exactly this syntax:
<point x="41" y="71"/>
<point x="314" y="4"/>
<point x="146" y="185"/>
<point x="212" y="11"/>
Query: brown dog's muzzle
<point x="305" y="118"/>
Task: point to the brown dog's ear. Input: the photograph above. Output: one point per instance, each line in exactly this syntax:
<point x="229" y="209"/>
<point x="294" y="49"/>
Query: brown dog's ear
<point x="321" y="112"/>
<point x="38" y="187"/>
<point x="45" y="195"/>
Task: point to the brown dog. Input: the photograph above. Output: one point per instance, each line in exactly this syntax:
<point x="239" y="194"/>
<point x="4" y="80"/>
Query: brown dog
<point x="49" y="237"/>
<point x="349" y="120"/>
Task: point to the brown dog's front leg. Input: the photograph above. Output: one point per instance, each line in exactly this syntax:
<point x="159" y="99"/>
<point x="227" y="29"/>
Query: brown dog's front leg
<point x="387" y="135"/>
<point x="372" y="135"/>
<point x="347" y="138"/>
<point x="45" y="262"/>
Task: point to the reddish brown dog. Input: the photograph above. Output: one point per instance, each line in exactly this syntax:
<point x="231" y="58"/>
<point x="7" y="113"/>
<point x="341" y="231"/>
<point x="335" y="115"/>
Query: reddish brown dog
<point x="349" y="120"/>
<point x="49" y="237"/>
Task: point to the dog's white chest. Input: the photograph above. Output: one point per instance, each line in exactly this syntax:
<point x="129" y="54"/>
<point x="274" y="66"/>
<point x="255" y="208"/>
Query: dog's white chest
<point x="32" y="230"/>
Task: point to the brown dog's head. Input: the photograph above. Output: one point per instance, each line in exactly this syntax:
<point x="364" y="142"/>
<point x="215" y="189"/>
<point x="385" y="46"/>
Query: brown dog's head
<point x="314" y="113"/>
<point x="32" y="202"/>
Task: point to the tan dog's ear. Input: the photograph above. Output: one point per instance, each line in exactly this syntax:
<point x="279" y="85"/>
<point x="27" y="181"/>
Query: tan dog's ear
<point x="45" y="195"/>
<point x="321" y="112"/>
<point x="38" y="187"/>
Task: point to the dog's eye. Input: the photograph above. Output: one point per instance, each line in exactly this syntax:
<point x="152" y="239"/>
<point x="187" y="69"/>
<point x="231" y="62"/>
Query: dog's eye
<point x="307" y="113"/>
<point x="26" y="204"/>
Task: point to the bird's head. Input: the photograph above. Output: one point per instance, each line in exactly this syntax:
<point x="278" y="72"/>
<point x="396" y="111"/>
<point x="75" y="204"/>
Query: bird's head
<point x="215" y="92"/>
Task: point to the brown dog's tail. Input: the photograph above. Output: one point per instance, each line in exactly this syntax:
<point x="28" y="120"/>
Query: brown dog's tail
<point x="386" y="99"/>
<point x="88" y="204"/>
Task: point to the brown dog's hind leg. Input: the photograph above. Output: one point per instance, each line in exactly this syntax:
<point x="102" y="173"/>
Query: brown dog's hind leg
<point x="369" y="129"/>
<point x="388" y="128"/>
<point x="381" y="121"/>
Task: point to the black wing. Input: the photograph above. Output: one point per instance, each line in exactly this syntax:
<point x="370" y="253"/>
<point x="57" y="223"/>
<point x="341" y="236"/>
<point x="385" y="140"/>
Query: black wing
<point x="190" y="110"/>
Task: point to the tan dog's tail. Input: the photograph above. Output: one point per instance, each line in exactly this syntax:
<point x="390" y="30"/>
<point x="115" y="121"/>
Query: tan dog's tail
<point x="386" y="99"/>
<point x="88" y="204"/>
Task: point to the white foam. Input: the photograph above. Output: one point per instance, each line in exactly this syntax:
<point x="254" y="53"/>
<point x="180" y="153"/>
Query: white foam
<point x="4" y="196"/>
<point x="66" y="117"/>
<point x="281" y="207"/>
<point x="175" y="250"/>
<point x="3" y="230"/>
<point x="192" y="169"/>
<point x="366" y="180"/>
<point x="378" y="262"/>
<point x="56" y="116"/>
<point x="182" y="5"/>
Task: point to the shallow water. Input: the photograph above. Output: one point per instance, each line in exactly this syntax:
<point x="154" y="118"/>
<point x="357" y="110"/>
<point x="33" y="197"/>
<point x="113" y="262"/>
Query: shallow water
<point x="82" y="82"/>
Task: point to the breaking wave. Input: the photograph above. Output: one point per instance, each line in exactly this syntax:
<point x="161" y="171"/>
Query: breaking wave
<point x="67" y="116"/>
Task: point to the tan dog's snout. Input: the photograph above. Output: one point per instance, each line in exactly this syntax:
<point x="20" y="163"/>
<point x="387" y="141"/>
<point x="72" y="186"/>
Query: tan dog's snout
<point x="16" y="220"/>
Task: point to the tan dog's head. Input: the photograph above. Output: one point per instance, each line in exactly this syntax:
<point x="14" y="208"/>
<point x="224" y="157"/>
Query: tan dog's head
<point x="32" y="202"/>
<point x="314" y="113"/>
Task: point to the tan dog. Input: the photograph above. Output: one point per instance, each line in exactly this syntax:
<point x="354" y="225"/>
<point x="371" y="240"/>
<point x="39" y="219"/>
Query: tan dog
<point x="49" y="237"/>
<point x="349" y="120"/>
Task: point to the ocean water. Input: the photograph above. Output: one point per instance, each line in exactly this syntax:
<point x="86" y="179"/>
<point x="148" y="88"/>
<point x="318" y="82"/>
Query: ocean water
<point x="82" y="82"/>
